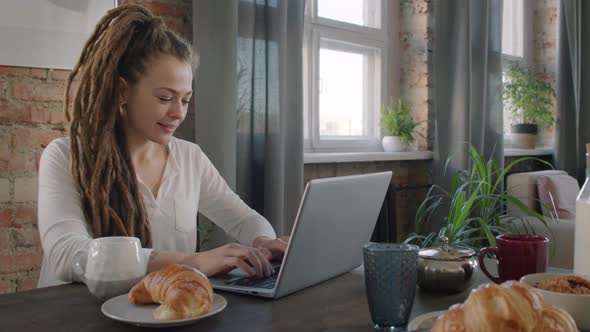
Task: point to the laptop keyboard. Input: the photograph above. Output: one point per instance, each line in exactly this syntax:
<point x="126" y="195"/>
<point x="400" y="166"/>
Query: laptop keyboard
<point x="258" y="282"/>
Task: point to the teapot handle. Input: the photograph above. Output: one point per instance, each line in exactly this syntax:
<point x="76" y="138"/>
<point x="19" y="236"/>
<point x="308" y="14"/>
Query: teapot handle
<point x="79" y="264"/>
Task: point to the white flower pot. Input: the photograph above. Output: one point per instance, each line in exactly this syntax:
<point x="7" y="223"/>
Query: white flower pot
<point x="393" y="144"/>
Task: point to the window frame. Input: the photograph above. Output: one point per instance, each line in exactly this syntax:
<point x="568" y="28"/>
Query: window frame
<point x="508" y="61"/>
<point x="528" y="39"/>
<point x="342" y="36"/>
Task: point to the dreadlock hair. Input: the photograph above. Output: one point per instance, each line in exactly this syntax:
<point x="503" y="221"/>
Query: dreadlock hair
<point x="121" y="46"/>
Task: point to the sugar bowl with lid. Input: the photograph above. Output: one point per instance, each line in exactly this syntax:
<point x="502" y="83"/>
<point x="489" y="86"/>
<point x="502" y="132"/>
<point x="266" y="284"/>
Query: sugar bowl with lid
<point x="446" y="268"/>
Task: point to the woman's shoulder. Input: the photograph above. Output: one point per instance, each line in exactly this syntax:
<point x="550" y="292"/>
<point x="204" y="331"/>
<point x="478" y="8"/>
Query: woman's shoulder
<point x="62" y="143"/>
<point x="56" y="155"/>
<point x="58" y="147"/>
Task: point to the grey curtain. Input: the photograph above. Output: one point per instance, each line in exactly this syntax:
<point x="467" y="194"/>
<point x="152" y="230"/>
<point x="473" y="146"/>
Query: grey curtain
<point x="249" y="100"/>
<point x="270" y="108"/>
<point x="573" y="82"/>
<point x="467" y="84"/>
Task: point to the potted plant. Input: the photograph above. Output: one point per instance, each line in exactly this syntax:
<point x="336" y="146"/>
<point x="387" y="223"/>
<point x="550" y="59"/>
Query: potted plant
<point x="530" y="101"/>
<point x="476" y="206"/>
<point x="397" y="126"/>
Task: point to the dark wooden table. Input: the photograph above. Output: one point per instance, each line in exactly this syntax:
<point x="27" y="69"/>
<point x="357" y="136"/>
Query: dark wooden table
<point x="339" y="304"/>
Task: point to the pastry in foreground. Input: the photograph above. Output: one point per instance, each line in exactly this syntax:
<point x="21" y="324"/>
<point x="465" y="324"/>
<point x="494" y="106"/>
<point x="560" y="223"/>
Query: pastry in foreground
<point x="182" y="292"/>
<point x="509" y="307"/>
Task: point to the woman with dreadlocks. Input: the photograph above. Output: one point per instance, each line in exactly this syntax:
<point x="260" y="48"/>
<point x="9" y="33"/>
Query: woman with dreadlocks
<point x="122" y="173"/>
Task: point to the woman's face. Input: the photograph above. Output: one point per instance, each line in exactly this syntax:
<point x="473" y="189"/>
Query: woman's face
<point x="158" y="102"/>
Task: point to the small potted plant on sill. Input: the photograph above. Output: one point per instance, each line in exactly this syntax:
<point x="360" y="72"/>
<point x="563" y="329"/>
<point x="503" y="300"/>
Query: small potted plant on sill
<point x="530" y="100"/>
<point x="397" y="126"/>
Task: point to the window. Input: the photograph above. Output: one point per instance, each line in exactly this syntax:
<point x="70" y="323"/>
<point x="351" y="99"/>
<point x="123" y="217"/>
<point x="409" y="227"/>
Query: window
<point x="513" y="29"/>
<point x="516" y="41"/>
<point x="345" y="53"/>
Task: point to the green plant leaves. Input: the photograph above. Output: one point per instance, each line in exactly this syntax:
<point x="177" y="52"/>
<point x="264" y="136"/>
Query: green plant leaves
<point x="476" y="206"/>
<point x="528" y="98"/>
<point x="396" y="121"/>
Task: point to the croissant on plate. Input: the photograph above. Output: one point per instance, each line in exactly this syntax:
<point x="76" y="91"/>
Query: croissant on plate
<point x="182" y="291"/>
<point x="511" y="306"/>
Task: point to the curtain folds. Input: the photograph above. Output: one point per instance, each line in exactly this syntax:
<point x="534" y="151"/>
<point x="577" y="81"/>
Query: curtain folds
<point x="573" y="78"/>
<point x="249" y="100"/>
<point x="467" y="69"/>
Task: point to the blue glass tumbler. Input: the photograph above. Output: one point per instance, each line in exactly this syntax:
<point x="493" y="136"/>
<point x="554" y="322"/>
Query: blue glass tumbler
<point x="390" y="281"/>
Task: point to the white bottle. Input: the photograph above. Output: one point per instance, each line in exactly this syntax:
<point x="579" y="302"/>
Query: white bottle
<point x="582" y="228"/>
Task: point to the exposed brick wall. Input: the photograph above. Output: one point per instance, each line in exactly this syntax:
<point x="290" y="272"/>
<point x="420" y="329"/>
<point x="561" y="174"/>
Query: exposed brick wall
<point x="545" y="50"/>
<point x="31" y="116"/>
<point x="415" y="41"/>
<point x="545" y="38"/>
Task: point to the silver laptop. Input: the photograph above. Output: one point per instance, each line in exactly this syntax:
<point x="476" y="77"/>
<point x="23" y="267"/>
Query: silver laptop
<point x="336" y="218"/>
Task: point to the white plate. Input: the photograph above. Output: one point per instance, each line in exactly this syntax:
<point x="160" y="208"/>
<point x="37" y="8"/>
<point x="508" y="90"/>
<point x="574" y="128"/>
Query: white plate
<point x="119" y="308"/>
<point x="424" y="321"/>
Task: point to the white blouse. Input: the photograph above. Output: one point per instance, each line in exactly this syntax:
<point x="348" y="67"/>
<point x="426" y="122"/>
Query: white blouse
<point x="190" y="182"/>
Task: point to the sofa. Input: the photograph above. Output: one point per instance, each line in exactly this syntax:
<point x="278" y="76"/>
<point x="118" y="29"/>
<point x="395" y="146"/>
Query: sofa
<point x="525" y="187"/>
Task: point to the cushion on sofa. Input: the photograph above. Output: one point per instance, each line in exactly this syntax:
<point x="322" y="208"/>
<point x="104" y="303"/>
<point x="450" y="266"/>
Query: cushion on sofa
<point x="523" y="186"/>
<point x="557" y="195"/>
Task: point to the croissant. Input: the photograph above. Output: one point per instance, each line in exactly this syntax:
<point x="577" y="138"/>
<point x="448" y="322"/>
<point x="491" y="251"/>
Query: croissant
<point x="182" y="291"/>
<point x="453" y="320"/>
<point x="510" y="307"/>
<point x="555" y="319"/>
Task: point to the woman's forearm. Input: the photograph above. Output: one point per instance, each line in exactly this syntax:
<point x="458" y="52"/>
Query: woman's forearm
<point x="161" y="259"/>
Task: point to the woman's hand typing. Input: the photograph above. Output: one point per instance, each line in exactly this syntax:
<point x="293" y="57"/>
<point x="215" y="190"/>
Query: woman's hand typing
<point x="254" y="261"/>
<point x="277" y="247"/>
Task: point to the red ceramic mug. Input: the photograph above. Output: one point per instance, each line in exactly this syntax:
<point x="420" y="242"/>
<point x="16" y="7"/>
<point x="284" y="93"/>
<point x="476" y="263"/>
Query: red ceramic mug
<point x="517" y="255"/>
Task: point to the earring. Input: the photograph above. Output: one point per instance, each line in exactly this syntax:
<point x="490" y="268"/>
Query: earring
<point x="122" y="110"/>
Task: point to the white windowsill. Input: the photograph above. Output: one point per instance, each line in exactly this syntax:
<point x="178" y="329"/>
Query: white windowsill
<point x="345" y="157"/>
<point x="541" y="151"/>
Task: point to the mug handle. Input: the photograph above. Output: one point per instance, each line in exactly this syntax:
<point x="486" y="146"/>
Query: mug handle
<point x="482" y="255"/>
<point x="79" y="264"/>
